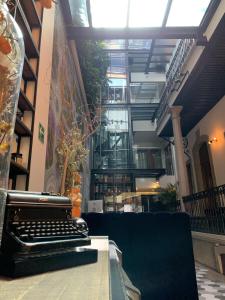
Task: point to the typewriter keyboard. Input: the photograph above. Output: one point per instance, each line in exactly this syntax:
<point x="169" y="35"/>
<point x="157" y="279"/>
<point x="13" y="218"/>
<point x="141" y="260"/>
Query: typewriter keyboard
<point x="35" y="231"/>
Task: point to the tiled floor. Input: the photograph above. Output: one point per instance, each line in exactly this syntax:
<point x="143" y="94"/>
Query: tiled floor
<point x="211" y="285"/>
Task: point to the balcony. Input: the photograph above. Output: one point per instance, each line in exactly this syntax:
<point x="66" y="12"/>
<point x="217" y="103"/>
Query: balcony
<point x="174" y="75"/>
<point x="198" y="83"/>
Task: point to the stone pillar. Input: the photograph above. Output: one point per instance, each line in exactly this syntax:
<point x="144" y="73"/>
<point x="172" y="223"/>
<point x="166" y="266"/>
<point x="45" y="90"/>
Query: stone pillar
<point x="183" y="189"/>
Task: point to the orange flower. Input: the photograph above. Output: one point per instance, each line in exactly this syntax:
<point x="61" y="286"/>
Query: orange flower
<point x="1" y="16"/>
<point x="4" y="147"/>
<point x="46" y="3"/>
<point x="5" y="46"/>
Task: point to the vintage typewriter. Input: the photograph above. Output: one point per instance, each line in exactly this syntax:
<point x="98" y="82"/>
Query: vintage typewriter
<point x="39" y="235"/>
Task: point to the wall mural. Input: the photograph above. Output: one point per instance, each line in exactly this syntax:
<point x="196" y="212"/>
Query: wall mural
<point x="63" y="98"/>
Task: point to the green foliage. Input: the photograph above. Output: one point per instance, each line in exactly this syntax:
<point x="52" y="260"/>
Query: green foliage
<point x="94" y="63"/>
<point x="79" y="12"/>
<point x="168" y="195"/>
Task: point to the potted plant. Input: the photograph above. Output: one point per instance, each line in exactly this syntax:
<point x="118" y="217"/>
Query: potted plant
<point x="168" y="197"/>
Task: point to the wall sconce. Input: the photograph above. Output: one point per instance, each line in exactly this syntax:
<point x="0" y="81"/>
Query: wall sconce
<point x="213" y="140"/>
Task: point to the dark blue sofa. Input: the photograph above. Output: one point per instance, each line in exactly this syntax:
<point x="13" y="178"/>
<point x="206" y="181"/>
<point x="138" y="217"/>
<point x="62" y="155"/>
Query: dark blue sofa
<point x="157" y="251"/>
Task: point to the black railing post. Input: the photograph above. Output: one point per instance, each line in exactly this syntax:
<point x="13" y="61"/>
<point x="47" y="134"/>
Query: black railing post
<point x="207" y="210"/>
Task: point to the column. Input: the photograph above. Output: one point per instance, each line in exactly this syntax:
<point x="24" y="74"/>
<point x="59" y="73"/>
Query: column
<point x="183" y="188"/>
<point x="38" y="157"/>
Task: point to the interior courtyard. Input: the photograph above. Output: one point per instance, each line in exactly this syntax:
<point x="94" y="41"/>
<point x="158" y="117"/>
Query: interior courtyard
<point x="112" y="149"/>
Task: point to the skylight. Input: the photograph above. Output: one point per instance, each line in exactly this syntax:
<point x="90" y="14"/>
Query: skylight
<point x="109" y="13"/>
<point x="146" y="13"/>
<point x="187" y="12"/>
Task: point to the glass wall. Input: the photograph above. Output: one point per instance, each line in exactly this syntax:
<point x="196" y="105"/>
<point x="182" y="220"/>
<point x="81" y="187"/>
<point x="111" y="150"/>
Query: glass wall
<point x="107" y="187"/>
<point x="146" y="158"/>
<point x="115" y="92"/>
<point x="146" y="92"/>
<point x="111" y="147"/>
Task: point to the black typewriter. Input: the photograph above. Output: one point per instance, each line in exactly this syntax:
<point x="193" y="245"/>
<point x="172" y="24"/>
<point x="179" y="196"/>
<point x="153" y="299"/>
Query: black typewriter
<point x="38" y="228"/>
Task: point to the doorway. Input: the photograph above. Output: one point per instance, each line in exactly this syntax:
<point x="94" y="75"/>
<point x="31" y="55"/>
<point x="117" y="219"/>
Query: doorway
<point x="206" y="170"/>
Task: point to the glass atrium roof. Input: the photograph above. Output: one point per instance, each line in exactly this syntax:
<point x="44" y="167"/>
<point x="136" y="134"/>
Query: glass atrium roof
<point x="138" y="53"/>
<point x="137" y="13"/>
<point x="140" y="37"/>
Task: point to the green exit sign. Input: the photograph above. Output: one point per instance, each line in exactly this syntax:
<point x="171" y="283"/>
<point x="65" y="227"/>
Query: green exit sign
<point x="41" y="133"/>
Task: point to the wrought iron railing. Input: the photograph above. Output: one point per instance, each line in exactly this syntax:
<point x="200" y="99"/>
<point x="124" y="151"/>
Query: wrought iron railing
<point x="207" y="210"/>
<point x="174" y="75"/>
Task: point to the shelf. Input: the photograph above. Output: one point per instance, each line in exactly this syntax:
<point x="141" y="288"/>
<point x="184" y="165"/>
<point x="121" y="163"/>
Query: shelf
<point x="112" y="184"/>
<point x="17" y="169"/>
<point x="30" y="47"/>
<point x="24" y="103"/>
<point x="30" y="11"/>
<point x="28" y="73"/>
<point x="21" y="129"/>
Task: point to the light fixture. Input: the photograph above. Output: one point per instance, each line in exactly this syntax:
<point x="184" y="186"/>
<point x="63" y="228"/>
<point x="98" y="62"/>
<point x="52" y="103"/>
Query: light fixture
<point x="213" y="140"/>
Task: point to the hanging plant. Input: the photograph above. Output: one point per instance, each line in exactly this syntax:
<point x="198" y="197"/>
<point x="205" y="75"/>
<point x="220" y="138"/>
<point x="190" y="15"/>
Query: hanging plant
<point x="94" y="63"/>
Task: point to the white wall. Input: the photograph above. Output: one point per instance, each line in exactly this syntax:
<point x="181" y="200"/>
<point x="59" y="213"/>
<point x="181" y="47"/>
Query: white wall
<point x="37" y="169"/>
<point x="151" y="77"/>
<point x="146" y="125"/>
<point x="165" y="180"/>
<point x="213" y="125"/>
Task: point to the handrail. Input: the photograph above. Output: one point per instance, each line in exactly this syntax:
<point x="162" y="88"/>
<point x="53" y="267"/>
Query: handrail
<point x="207" y="210"/>
<point x="174" y="75"/>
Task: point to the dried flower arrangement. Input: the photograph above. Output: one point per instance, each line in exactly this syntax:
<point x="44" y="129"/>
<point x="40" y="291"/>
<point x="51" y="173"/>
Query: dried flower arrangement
<point x="72" y="153"/>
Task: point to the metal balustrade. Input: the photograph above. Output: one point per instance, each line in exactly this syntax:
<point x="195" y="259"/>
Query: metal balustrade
<point x="207" y="210"/>
<point x="174" y="75"/>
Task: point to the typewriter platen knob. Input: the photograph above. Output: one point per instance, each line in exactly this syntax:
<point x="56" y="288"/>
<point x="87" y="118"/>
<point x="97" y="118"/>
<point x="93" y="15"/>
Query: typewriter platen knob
<point x="81" y="225"/>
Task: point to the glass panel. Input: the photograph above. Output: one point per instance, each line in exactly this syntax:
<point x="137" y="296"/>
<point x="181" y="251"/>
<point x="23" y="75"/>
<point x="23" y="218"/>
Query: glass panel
<point x="114" y="95"/>
<point x="159" y="68"/>
<point x="139" y="44"/>
<point x="116" y="120"/>
<point x="148" y="158"/>
<point x="137" y="60"/>
<point x="117" y="63"/>
<point x="166" y="42"/>
<point x="109" y="13"/>
<point x="187" y="13"/>
<point x="160" y="58"/>
<point x="163" y="50"/>
<point x="146" y="93"/>
<point x="147" y="13"/>
<point x="114" y="44"/>
<point x="117" y="82"/>
<point x="79" y="12"/>
<point x="107" y="187"/>
<point x="111" y="142"/>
